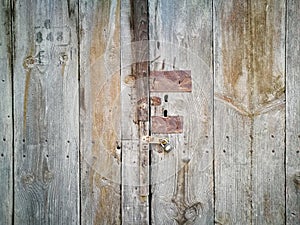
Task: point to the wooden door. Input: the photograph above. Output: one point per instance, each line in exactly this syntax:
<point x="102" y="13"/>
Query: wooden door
<point x="149" y="112"/>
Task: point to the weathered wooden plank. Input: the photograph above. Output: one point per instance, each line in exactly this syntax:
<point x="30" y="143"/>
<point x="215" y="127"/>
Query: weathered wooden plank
<point x="182" y="180"/>
<point x="292" y="114"/>
<point x="268" y="99"/>
<point x="46" y="114"/>
<point x="232" y="125"/>
<point x="249" y="109"/>
<point x="6" y="129"/>
<point x="135" y="112"/>
<point x="100" y="111"/>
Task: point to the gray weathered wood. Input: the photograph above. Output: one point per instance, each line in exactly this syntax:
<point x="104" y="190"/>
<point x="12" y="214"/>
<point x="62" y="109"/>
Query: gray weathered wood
<point x="46" y="112"/>
<point x="293" y="114"/>
<point x="182" y="180"/>
<point x="100" y="111"/>
<point x="6" y="131"/>
<point x="135" y="112"/>
<point x="249" y="112"/>
<point x="268" y="102"/>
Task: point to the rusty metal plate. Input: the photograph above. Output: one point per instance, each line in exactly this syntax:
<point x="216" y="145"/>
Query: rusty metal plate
<point x="166" y="125"/>
<point x="171" y="81"/>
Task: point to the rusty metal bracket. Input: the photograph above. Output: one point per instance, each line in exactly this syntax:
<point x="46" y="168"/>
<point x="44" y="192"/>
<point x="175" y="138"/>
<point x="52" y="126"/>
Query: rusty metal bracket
<point x="166" y="125"/>
<point x="171" y="81"/>
<point x="163" y="142"/>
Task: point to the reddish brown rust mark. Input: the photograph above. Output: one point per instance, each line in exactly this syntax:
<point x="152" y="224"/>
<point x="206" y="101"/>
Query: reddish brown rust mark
<point x="166" y="125"/>
<point x="155" y="101"/>
<point x="171" y="81"/>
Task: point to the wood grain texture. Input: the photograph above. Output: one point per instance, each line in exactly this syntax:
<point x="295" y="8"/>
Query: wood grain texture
<point x="100" y="111"/>
<point x="292" y="114"/>
<point x="135" y="112"/>
<point x="46" y="118"/>
<point x="249" y="88"/>
<point x="6" y="126"/>
<point x="182" y="180"/>
<point x="268" y="99"/>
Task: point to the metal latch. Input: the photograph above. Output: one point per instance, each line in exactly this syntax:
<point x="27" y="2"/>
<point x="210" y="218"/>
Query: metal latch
<point x="163" y="142"/>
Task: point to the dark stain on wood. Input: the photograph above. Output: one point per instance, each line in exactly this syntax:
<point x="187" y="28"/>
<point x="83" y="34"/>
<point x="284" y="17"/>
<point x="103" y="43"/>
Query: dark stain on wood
<point x="233" y="46"/>
<point x="166" y="125"/>
<point x="140" y="49"/>
<point x="27" y="84"/>
<point x="297" y="180"/>
<point x="267" y="207"/>
<point x="248" y="50"/>
<point x="71" y="9"/>
<point x="171" y="81"/>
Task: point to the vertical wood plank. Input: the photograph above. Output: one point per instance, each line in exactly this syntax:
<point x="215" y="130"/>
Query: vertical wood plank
<point x="6" y="126"/>
<point x="46" y="114"/>
<point x="100" y="111"/>
<point x="292" y="114"/>
<point x="182" y="180"/>
<point x="268" y="99"/>
<point x="249" y="109"/>
<point x="135" y="112"/>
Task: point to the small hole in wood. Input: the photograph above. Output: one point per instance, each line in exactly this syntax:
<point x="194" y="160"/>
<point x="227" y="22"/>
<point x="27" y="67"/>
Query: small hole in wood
<point x="227" y="137"/>
<point x="68" y="142"/>
<point x="47" y="156"/>
<point x="118" y="147"/>
<point x="4" y="139"/>
<point x="24" y="156"/>
<point x="297" y="152"/>
<point x="272" y="136"/>
<point x="23" y="140"/>
<point x="166" y="98"/>
<point x="2" y="155"/>
<point x="206" y="136"/>
<point x="224" y="150"/>
<point x="165" y="113"/>
<point x="67" y="156"/>
<point x="273" y="151"/>
<point x="8" y="116"/>
<point x="46" y="140"/>
<point x="3" y="80"/>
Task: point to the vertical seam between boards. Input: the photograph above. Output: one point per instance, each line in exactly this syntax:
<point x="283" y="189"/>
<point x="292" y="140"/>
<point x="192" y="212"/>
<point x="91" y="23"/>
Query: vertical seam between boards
<point x="12" y="49"/>
<point x="121" y="110"/>
<point x="213" y="110"/>
<point x="149" y="115"/>
<point x="285" y="123"/>
<point x="79" y="106"/>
